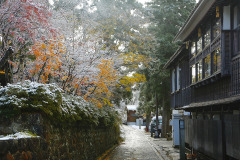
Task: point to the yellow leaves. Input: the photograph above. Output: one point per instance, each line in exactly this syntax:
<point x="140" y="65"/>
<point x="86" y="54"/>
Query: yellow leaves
<point x="135" y="60"/>
<point x="43" y="46"/>
<point x="128" y="89"/>
<point x="64" y="78"/>
<point x="129" y="81"/>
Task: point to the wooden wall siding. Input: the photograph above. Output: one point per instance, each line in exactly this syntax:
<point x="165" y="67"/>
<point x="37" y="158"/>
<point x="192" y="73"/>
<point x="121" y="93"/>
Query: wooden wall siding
<point x="232" y="131"/>
<point x="188" y="131"/>
<point x="173" y="101"/>
<point x="226" y="53"/>
<point x="235" y="76"/>
<point x="205" y="136"/>
<point x="184" y="78"/>
<point x="213" y="91"/>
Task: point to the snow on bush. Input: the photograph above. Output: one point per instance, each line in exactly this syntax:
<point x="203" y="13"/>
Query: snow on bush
<point x="51" y="100"/>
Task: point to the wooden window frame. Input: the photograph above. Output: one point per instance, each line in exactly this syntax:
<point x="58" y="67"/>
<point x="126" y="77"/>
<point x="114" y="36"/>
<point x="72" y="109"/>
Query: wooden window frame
<point x="204" y="66"/>
<point x="173" y="78"/>
<point x="213" y="27"/>
<point x="198" y="64"/>
<point x="195" y="53"/>
<point x="215" y="66"/>
<point x="236" y="29"/>
<point x="178" y="78"/>
<point x="192" y="82"/>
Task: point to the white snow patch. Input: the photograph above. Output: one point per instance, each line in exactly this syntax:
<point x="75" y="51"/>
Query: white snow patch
<point x="18" y="135"/>
<point x="132" y="107"/>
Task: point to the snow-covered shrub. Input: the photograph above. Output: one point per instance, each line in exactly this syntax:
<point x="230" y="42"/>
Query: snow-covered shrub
<point x="53" y="102"/>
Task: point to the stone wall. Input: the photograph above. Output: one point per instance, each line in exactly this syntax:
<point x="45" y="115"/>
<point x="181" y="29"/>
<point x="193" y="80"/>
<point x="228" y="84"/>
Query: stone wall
<point x="55" y="141"/>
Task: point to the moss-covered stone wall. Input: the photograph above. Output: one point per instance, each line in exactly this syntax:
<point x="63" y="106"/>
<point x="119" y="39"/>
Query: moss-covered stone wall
<point x="54" y="141"/>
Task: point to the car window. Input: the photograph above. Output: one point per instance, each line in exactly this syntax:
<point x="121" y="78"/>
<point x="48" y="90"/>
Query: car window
<point x="159" y="121"/>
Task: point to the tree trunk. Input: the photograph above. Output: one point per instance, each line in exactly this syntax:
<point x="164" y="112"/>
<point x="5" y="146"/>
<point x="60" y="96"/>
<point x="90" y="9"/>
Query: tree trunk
<point x="165" y="120"/>
<point x="5" y="76"/>
<point x="148" y="120"/>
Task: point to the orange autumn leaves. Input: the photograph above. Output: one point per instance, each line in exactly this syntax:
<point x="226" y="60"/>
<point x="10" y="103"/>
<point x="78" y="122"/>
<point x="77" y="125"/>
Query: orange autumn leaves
<point x="47" y="59"/>
<point x="48" y="64"/>
<point x="96" y="87"/>
<point x="100" y="94"/>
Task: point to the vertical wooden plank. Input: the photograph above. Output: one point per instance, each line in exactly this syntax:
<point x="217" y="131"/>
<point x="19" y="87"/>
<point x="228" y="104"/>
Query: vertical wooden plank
<point x="195" y="142"/>
<point x="235" y="137"/>
<point x="206" y="137"/>
<point x="228" y="133"/>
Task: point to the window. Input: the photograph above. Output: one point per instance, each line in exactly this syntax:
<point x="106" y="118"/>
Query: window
<point x="193" y="48"/>
<point x="216" y="29"/>
<point x="173" y="80"/>
<point x="226" y="18"/>
<point x="199" y="70"/>
<point x="178" y="77"/>
<point x="199" y="45"/>
<point x="236" y="28"/>
<point x="235" y="17"/>
<point x="207" y="38"/>
<point x="207" y="66"/>
<point x="193" y="68"/>
<point x="216" y="56"/>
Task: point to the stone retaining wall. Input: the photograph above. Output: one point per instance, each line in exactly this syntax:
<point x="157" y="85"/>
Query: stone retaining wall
<point x="55" y="142"/>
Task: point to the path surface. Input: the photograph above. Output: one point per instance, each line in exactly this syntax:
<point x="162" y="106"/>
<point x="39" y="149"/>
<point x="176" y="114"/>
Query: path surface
<point x="135" y="147"/>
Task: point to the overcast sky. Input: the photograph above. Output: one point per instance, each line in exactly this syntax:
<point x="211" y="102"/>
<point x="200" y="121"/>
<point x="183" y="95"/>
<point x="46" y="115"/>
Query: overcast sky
<point x="143" y="1"/>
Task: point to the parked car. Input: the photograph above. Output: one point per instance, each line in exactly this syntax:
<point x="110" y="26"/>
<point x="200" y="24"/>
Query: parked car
<point x="153" y="123"/>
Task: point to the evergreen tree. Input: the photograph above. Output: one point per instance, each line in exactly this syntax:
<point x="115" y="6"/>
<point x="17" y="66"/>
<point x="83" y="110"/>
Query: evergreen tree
<point x="167" y="18"/>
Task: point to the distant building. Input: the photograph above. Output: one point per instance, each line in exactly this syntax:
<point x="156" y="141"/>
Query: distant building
<point x="131" y="114"/>
<point x="205" y="78"/>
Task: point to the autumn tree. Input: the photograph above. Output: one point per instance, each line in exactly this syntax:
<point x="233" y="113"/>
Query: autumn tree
<point x="100" y="90"/>
<point x="47" y="60"/>
<point x="92" y="35"/>
<point x="23" y="22"/>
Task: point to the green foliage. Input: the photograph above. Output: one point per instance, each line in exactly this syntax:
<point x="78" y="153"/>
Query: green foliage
<point x="167" y="18"/>
<point x="52" y="102"/>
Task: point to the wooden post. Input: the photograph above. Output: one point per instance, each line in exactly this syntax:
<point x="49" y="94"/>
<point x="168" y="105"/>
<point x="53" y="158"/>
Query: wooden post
<point x="182" y="139"/>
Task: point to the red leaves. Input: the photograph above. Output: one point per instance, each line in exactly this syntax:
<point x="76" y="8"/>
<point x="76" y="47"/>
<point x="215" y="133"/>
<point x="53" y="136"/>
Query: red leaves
<point x="27" y="18"/>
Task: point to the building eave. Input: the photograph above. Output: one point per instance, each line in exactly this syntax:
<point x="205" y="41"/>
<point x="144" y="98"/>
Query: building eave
<point x="194" y="19"/>
<point x="224" y="101"/>
<point x="173" y="57"/>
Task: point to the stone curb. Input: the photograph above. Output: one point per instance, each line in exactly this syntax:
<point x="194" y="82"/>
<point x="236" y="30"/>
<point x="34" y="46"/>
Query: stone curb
<point x="105" y="155"/>
<point x="165" y="155"/>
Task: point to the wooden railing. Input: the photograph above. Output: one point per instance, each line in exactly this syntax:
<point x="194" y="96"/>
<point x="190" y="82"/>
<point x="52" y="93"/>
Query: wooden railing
<point x="235" y="78"/>
<point x="181" y="98"/>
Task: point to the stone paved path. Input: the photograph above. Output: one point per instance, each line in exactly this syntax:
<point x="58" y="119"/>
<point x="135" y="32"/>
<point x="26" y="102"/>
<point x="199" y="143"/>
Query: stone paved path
<point x="135" y="147"/>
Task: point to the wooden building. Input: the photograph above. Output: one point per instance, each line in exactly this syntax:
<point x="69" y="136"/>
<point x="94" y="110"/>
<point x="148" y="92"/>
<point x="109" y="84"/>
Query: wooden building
<point x="205" y="78"/>
<point x="131" y="114"/>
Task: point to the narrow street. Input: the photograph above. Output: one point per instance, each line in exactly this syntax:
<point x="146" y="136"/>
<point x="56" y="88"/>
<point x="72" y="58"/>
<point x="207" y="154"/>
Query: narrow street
<point x="135" y="147"/>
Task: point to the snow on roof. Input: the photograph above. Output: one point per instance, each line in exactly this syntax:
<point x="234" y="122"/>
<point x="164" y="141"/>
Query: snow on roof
<point x="132" y="107"/>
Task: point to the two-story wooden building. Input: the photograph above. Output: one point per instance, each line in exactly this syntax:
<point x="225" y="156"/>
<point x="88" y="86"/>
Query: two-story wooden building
<point x="205" y="78"/>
